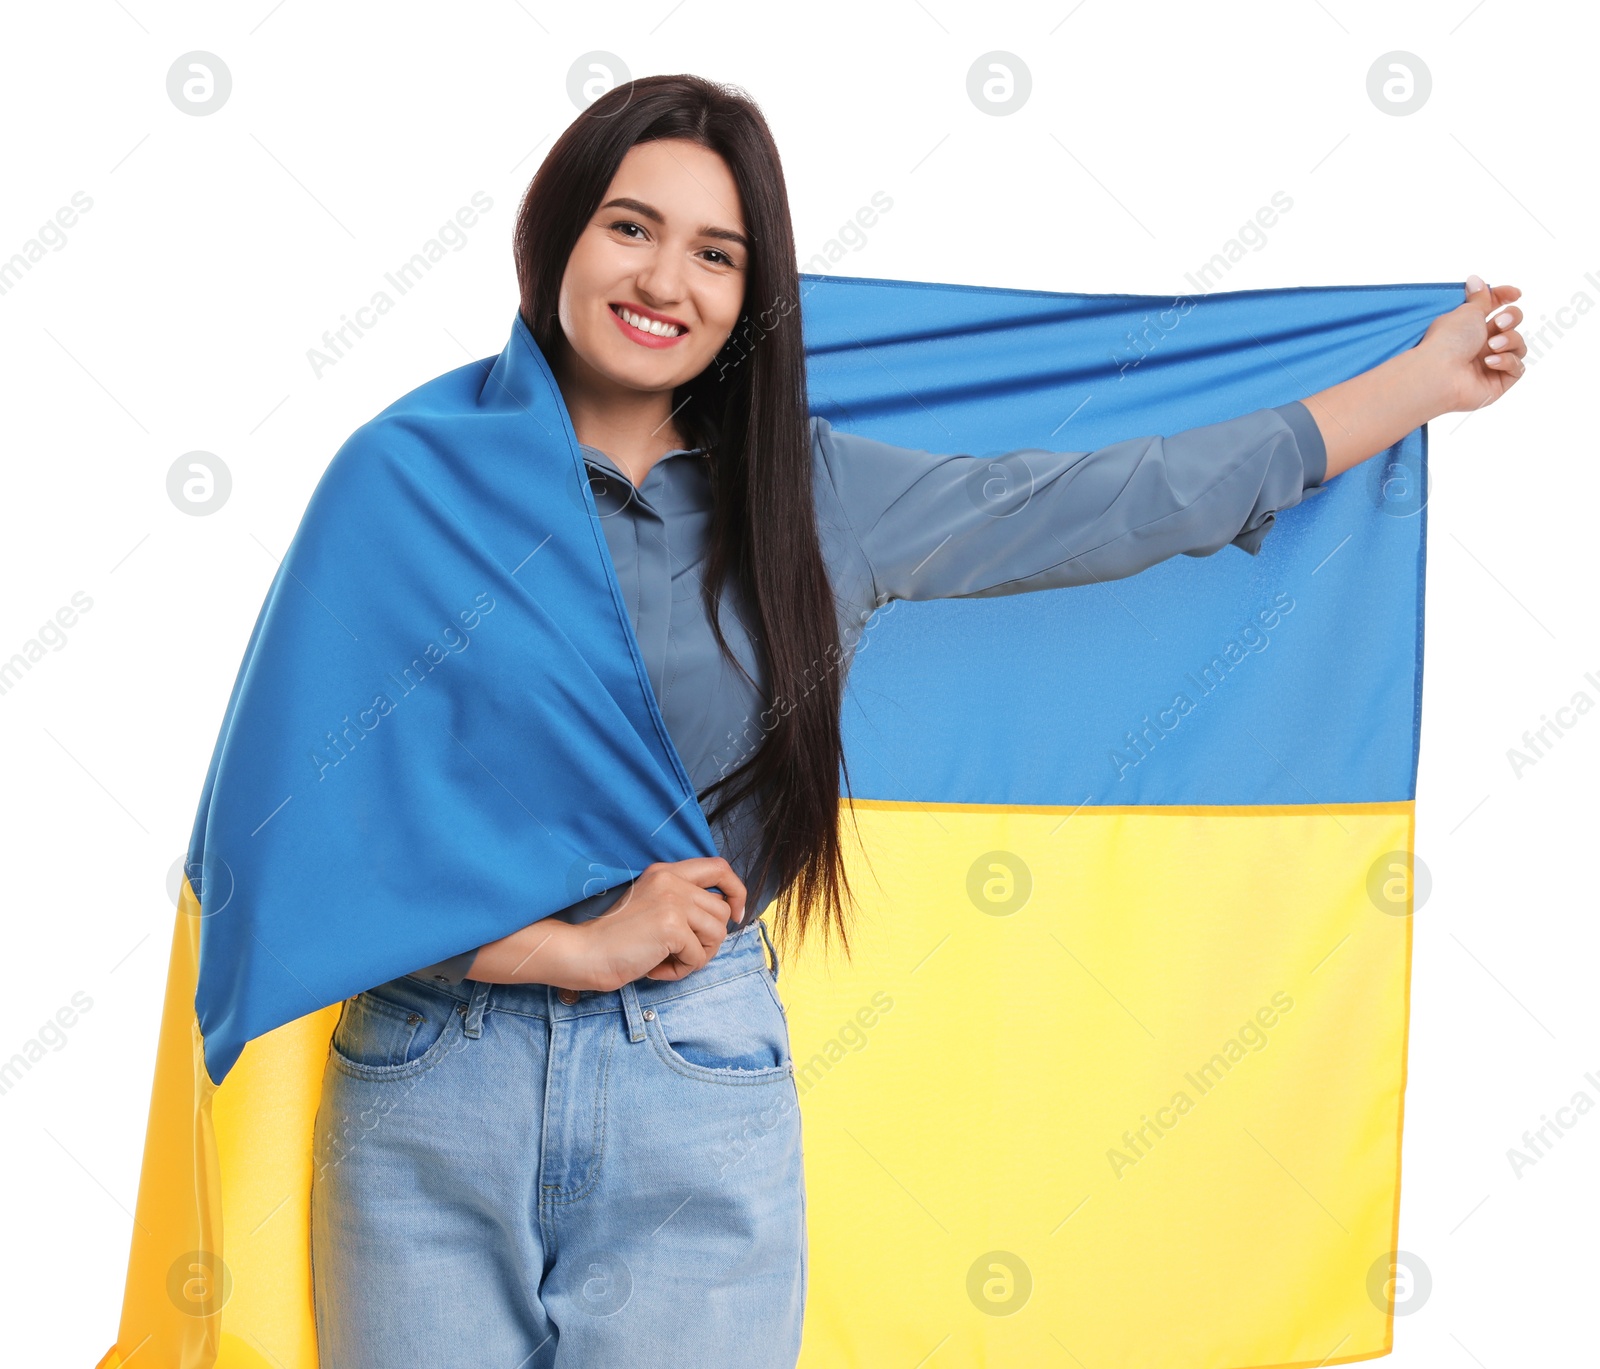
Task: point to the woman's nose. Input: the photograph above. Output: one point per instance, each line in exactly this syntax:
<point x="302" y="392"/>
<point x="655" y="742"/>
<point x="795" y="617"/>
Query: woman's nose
<point x="660" y="284"/>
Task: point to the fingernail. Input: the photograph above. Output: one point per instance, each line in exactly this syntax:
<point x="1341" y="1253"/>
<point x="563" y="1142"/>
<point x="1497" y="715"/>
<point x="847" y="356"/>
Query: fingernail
<point x="1499" y="342"/>
<point x="1473" y="285"/>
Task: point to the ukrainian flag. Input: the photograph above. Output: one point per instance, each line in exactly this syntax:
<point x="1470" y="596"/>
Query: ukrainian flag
<point x="1116" y="1073"/>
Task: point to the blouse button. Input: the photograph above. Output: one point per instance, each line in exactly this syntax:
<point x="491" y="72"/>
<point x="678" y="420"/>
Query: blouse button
<point x="568" y="995"/>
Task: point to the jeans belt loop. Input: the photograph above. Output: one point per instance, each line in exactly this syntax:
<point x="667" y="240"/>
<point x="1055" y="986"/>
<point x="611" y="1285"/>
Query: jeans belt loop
<point x="773" y="950"/>
<point x="631" y="1012"/>
<point x="476" y="1008"/>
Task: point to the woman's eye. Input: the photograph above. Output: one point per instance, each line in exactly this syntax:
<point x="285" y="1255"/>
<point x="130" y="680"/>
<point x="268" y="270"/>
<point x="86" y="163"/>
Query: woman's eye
<point x="629" y="229"/>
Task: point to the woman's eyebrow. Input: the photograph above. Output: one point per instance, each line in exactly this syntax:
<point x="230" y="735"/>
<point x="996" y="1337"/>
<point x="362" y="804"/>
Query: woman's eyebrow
<point x="705" y="230"/>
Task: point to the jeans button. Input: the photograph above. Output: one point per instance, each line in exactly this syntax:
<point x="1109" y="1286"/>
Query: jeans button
<point x="568" y="995"/>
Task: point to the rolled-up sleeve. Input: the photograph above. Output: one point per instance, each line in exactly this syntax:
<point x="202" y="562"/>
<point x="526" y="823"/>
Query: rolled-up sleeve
<point x="951" y="527"/>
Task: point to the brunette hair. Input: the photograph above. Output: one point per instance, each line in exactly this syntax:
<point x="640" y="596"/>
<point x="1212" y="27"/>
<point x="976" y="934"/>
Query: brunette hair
<point x="749" y="402"/>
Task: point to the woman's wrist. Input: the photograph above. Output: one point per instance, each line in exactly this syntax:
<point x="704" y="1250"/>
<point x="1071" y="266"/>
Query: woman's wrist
<point x="550" y="951"/>
<point x="1369" y="413"/>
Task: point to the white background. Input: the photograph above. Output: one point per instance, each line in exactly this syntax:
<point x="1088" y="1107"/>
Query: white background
<point x="178" y="314"/>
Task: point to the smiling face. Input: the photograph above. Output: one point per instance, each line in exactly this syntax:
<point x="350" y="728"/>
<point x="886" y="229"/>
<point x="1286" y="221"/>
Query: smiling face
<point x="656" y="280"/>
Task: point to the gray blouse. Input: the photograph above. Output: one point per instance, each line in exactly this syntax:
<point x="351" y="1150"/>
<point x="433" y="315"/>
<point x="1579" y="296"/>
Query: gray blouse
<point x="898" y="523"/>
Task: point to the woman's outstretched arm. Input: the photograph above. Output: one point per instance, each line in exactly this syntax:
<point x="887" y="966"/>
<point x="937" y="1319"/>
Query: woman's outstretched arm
<point x="901" y="523"/>
<point x="920" y="526"/>
<point x="1464" y="361"/>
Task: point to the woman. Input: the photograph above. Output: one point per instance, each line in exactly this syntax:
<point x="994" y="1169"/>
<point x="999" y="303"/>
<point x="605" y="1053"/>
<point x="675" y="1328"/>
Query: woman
<point x="548" y="1197"/>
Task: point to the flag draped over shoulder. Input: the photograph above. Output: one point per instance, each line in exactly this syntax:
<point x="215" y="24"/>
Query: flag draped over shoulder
<point x="1118" y="1064"/>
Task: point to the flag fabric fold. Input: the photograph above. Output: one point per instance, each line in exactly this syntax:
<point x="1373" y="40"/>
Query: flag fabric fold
<point x="1119" y="1064"/>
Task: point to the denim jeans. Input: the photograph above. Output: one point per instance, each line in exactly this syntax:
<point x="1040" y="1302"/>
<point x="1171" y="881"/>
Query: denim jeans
<point x="506" y="1178"/>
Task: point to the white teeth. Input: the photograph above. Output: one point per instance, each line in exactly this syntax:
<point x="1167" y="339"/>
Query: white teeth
<point x="646" y="325"/>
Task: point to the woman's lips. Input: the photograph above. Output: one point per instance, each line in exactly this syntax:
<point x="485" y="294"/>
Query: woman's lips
<point x="643" y="338"/>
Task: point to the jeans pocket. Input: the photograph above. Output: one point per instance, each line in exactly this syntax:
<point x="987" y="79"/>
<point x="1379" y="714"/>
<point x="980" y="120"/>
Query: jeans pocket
<point x="394" y="1030"/>
<point x="731" y="1032"/>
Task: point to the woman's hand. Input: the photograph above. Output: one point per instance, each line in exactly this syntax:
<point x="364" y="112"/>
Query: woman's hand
<point x="668" y="923"/>
<point x="1454" y="367"/>
<point x="1476" y="359"/>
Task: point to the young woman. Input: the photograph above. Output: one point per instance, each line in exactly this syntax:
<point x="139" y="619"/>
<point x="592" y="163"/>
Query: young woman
<point x="548" y="1196"/>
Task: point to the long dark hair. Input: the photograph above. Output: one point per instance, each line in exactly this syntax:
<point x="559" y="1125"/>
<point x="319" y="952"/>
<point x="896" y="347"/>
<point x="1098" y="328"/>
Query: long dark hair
<point x="751" y="400"/>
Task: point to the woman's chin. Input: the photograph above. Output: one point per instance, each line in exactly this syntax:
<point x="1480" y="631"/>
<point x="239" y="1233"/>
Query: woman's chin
<point x="642" y="370"/>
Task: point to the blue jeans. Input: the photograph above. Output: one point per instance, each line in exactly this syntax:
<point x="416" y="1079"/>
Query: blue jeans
<point x="506" y="1178"/>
